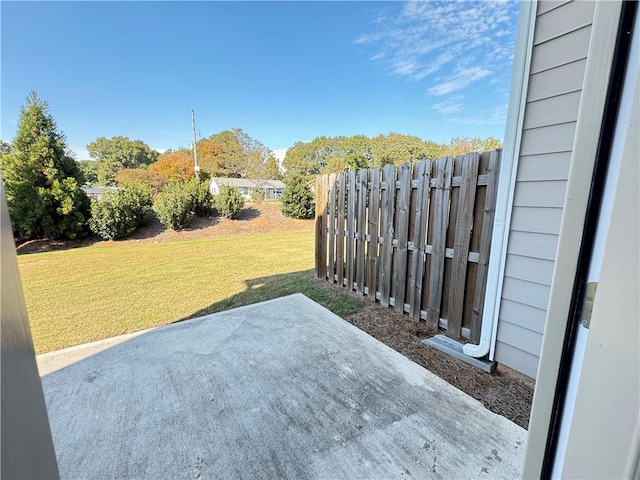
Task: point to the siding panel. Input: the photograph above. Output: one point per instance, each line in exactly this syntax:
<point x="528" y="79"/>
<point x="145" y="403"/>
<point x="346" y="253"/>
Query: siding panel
<point x="562" y="20"/>
<point x="528" y="317"/>
<point x="552" y="111"/>
<point x="566" y="49"/>
<point x="557" y="81"/>
<point x="536" y="245"/>
<point x="527" y="293"/>
<point x="549" y="166"/>
<point x="529" y="269"/>
<point x="546" y="5"/>
<point x="556" y="138"/>
<point x="522" y="338"/>
<point x="536" y="220"/>
<point x="517" y="359"/>
<point x="541" y="194"/>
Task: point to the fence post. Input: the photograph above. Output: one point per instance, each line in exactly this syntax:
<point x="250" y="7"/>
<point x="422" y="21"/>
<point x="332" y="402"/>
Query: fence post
<point x="321" y="234"/>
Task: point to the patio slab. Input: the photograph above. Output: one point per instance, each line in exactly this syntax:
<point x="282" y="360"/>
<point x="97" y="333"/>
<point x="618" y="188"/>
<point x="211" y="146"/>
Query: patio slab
<point x="280" y="389"/>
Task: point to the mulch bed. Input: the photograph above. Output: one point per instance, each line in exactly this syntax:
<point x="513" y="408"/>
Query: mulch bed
<point x="505" y="392"/>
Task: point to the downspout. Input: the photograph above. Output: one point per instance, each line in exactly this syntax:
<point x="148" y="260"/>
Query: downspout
<point x="507" y="181"/>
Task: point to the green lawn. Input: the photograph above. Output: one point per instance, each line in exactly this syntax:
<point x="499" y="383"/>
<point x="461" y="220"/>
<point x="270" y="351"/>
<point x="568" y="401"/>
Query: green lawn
<point x="85" y="294"/>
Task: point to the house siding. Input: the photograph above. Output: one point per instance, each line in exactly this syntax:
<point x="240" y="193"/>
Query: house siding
<point x="558" y="60"/>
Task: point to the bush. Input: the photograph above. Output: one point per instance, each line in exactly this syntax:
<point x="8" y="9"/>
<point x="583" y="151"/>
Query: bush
<point x="120" y="213"/>
<point x="297" y="199"/>
<point x="228" y="202"/>
<point x="179" y="202"/>
<point x="257" y="195"/>
<point x="202" y="200"/>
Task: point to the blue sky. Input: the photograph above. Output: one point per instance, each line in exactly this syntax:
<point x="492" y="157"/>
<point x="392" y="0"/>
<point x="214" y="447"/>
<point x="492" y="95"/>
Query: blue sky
<point x="281" y="71"/>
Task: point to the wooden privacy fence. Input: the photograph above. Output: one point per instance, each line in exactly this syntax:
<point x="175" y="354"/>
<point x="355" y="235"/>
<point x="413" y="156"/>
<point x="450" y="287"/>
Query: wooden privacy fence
<point x="416" y="237"/>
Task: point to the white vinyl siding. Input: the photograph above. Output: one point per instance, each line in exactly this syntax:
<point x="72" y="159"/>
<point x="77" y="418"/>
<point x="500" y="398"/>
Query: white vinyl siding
<point x="558" y="60"/>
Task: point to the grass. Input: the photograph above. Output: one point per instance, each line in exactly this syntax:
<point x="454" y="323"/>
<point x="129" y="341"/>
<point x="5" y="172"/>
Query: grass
<point x="86" y="294"/>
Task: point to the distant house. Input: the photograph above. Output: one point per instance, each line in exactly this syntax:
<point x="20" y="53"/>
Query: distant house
<point x="95" y="193"/>
<point x="271" y="188"/>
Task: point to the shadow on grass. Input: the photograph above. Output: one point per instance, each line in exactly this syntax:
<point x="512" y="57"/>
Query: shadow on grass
<point x="275" y="286"/>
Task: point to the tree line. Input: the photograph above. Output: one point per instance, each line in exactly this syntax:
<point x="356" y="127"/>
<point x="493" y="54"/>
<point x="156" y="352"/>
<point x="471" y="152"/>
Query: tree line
<point x="43" y="180"/>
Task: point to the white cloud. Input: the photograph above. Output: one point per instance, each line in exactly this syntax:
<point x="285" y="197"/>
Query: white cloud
<point x="159" y="150"/>
<point x="459" y="81"/>
<point x="473" y="39"/>
<point x="449" y="106"/>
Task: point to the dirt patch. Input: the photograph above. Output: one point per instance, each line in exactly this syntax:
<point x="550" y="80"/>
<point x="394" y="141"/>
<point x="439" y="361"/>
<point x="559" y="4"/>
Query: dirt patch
<point x="254" y="218"/>
<point x="505" y="392"/>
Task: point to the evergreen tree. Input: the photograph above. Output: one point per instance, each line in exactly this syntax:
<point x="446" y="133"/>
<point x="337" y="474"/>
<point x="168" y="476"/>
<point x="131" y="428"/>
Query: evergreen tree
<point x="42" y="183"/>
<point x="297" y="199"/>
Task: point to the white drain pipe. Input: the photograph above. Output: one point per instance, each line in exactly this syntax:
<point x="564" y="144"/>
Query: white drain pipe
<point x="506" y="182"/>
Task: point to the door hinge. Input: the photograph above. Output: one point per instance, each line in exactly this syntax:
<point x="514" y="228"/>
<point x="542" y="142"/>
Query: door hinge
<point x="587" y="304"/>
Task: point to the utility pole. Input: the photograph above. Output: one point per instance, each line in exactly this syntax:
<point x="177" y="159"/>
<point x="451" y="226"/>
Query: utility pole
<point x="196" y="167"/>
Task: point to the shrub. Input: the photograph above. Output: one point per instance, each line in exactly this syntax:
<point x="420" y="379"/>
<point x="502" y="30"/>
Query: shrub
<point x="297" y="199"/>
<point x="202" y="200"/>
<point x="257" y="195"/>
<point x="179" y="202"/>
<point x="118" y="214"/>
<point x="228" y="202"/>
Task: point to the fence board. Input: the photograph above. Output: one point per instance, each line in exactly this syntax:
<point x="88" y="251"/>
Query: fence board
<point x="402" y="234"/>
<point x="373" y="232"/>
<point x="416" y="238"/>
<point x="361" y="230"/>
<point x="441" y="201"/>
<point x="332" y="227"/>
<point x="485" y="242"/>
<point x="386" y="218"/>
<point x="351" y="227"/>
<point x="340" y="238"/>
<point x="464" y="223"/>
<point x="320" y="211"/>
<point x="422" y="173"/>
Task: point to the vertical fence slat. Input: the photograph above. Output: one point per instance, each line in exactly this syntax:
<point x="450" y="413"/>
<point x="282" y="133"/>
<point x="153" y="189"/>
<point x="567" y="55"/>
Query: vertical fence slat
<point x="485" y="241"/>
<point x="351" y="228"/>
<point x="388" y="202"/>
<point x="361" y="229"/>
<point x="421" y="172"/>
<point x="332" y="227"/>
<point x="320" y="235"/>
<point x="340" y="240"/>
<point x="441" y="201"/>
<point x="373" y="232"/>
<point x="402" y="235"/>
<point x="464" y="222"/>
<point x="325" y="220"/>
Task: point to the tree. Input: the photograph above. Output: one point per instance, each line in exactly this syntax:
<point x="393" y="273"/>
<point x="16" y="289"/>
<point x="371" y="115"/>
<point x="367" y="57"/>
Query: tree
<point x="43" y="183"/>
<point x="175" y="166"/>
<point x="461" y="145"/>
<point x="297" y="199"/>
<point x="89" y="170"/>
<point x="116" y="153"/>
<point x="149" y="178"/>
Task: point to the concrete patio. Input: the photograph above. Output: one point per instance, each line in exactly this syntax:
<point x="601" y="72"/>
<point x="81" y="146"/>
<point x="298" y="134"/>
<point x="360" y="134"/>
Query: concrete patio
<point x="281" y="389"/>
